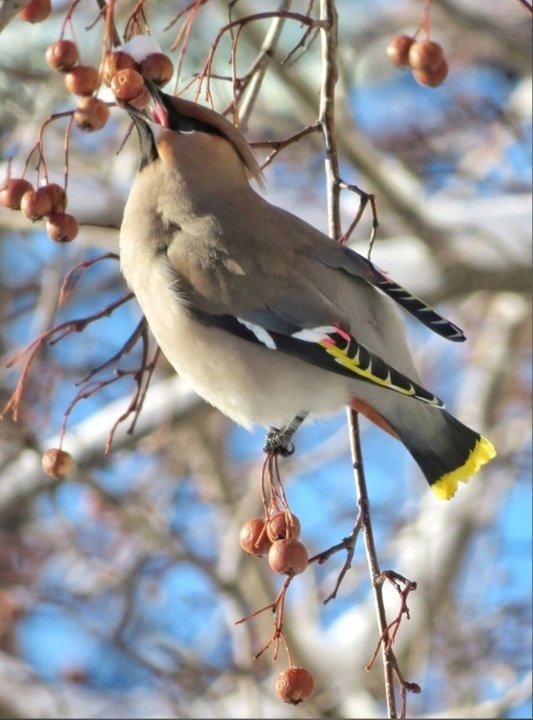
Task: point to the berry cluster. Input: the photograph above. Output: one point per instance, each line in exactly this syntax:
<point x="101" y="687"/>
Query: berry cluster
<point x="276" y="535"/>
<point x="126" y="77"/>
<point x="124" y="72"/>
<point x="48" y="201"/>
<point x="424" y="57"/>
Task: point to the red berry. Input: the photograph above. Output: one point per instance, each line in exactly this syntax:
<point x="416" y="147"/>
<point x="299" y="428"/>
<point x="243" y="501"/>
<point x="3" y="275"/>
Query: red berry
<point x="294" y="685"/>
<point x="253" y="537"/>
<point x="91" y="114"/>
<point x="432" y="78"/>
<point x="157" y="67"/>
<point x="426" y="55"/>
<point x="57" y="463"/>
<point x="82" y="80"/>
<point x="36" y="11"/>
<point x="12" y="191"/>
<point x="35" y="204"/>
<point x="278" y="528"/>
<point x="118" y="60"/>
<point x="62" y="54"/>
<point x="61" y="227"/>
<point x="398" y="50"/>
<point x="127" y="84"/>
<point x="288" y="557"/>
<point x="57" y="195"/>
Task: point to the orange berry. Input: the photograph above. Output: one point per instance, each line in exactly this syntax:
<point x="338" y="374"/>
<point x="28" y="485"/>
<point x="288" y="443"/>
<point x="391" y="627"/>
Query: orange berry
<point x="294" y="685"/>
<point x="398" y="50"/>
<point x="115" y="61"/>
<point x="61" y="54"/>
<point x="278" y="528"/>
<point x="288" y="557"/>
<point x="253" y="537"/>
<point x="57" y="463"/>
<point x="432" y="78"/>
<point x="426" y="55"/>
<point x="12" y="191"/>
<point x="157" y="67"/>
<point x="62" y="227"/>
<point x="127" y="84"/>
<point x="82" y="80"/>
<point x="35" y="204"/>
<point x="57" y="196"/>
<point x="35" y="11"/>
<point x="91" y="113"/>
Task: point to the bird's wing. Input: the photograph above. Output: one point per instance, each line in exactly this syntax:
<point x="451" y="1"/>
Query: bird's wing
<point x="329" y="347"/>
<point x="340" y="257"/>
<point x="298" y="321"/>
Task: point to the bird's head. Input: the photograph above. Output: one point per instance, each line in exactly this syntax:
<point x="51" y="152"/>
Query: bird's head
<point x="177" y="131"/>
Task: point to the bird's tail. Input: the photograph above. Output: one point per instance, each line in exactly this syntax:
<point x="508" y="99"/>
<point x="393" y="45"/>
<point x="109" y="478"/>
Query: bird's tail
<point x="451" y="456"/>
<point x="446" y="450"/>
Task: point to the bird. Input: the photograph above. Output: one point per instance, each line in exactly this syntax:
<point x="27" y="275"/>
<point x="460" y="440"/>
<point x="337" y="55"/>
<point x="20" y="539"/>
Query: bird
<point x="266" y="317"/>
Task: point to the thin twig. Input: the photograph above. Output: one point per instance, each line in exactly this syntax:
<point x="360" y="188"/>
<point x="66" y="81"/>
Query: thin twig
<point x="373" y="564"/>
<point x="327" y="120"/>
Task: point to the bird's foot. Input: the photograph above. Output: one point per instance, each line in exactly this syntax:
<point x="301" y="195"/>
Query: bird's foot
<point x="278" y="442"/>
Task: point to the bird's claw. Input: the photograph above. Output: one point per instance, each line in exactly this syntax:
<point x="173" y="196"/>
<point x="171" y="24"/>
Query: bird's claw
<point x="278" y="442"/>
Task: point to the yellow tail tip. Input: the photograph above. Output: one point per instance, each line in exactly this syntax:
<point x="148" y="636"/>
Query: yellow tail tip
<point x="445" y="487"/>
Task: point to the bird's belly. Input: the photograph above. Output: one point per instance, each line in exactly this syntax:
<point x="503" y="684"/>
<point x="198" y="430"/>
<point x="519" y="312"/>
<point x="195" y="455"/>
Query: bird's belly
<point x="246" y="381"/>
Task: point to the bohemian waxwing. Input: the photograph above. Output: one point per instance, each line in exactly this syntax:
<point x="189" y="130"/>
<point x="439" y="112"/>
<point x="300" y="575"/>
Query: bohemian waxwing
<point x="266" y="317"/>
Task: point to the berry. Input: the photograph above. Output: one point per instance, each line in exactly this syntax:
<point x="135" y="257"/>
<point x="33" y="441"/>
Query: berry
<point x="57" y="196"/>
<point x="278" y="528"/>
<point x="12" y="191"/>
<point x="426" y="55"/>
<point x="61" y="55"/>
<point x="82" y="80"/>
<point x="288" y="557"/>
<point x="157" y="67"/>
<point x="114" y="62"/>
<point x="432" y="78"/>
<point x="35" y="11"/>
<point x="398" y="50"/>
<point x="253" y="538"/>
<point x="294" y="685"/>
<point x="127" y="84"/>
<point x="35" y="204"/>
<point x="61" y="227"/>
<point x="91" y="114"/>
<point x="57" y="463"/>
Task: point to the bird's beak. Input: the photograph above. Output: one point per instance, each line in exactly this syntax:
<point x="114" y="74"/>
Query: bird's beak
<point x="155" y="112"/>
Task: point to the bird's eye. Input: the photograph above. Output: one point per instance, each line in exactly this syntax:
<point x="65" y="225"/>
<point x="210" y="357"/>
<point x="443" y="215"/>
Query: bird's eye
<point x="186" y="126"/>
